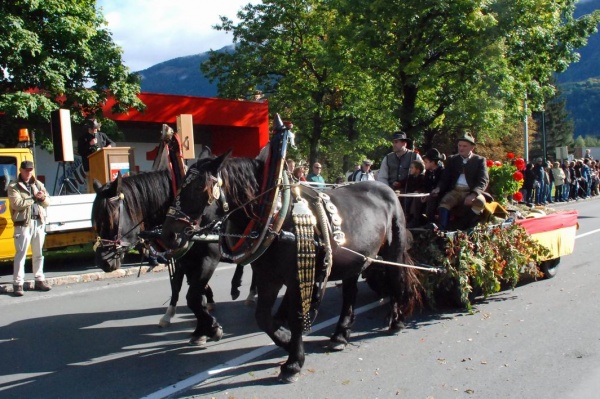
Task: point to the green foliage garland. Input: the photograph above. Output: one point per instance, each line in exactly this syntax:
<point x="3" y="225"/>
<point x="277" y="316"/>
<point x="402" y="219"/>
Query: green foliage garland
<point x="478" y="262"/>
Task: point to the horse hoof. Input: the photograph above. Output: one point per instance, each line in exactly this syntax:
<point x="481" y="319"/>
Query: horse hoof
<point x="337" y="346"/>
<point x="164" y="323"/>
<point x="396" y="327"/>
<point x="235" y="293"/>
<point x="250" y="302"/>
<point x="288" y="378"/>
<point x="198" y="341"/>
<point x="218" y="334"/>
<point x="211" y="306"/>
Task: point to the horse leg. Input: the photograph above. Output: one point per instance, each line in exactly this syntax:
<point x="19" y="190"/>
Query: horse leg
<point x="405" y="296"/>
<point x="206" y="324"/>
<point x="236" y="282"/>
<point x="265" y="320"/>
<point x="251" y="298"/>
<point x="210" y="298"/>
<point x="176" y="283"/>
<point x="340" y="337"/>
<point x="290" y="370"/>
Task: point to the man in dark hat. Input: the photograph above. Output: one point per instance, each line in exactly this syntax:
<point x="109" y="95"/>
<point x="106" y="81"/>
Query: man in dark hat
<point x="395" y="165"/>
<point x="463" y="182"/>
<point x="92" y="141"/>
<point x="434" y="168"/>
<point x="28" y="202"/>
<point x="364" y="173"/>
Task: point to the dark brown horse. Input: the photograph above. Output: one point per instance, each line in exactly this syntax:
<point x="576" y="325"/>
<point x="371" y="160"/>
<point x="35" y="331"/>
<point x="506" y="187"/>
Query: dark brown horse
<point x="129" y="205"/>
<point x="373" y="223"/>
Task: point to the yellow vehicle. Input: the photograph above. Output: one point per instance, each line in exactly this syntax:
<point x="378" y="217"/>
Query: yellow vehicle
<point x="69" y="216"/>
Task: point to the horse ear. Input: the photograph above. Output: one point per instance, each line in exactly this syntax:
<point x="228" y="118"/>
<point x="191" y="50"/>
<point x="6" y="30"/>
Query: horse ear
<point x="97" y="186"/>
<point x="216" y="163"/>
<point x="278" y="125"/>
<point x="119" y="181"/>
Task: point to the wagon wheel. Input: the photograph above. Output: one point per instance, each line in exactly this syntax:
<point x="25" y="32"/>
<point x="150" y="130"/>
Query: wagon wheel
<point x="550" y="267"/>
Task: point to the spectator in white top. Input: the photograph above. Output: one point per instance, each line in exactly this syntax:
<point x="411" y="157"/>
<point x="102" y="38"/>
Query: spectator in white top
<point x="364" y="173"/>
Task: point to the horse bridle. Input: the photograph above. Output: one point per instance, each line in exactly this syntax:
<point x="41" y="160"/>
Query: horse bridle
<point x="118" y="245"/>
<point x="214" y="194"/>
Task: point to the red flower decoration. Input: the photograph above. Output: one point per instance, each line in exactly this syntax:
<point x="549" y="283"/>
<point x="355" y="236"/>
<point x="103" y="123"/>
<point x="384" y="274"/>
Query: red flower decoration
<point x="489" y="163"/>
<point x="497" y="163"/>
<point x="520" y="163"/>
<point x="518" y="196"/>
<point x="510" y="155"/>
<point x="518" y="176"/>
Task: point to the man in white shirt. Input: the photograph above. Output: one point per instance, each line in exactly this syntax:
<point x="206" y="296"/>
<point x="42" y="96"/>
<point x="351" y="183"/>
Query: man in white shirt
<point x="364" y="173"/>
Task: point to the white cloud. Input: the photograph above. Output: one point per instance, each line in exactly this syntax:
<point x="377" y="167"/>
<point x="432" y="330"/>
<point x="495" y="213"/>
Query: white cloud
<point x="152" y="31"/>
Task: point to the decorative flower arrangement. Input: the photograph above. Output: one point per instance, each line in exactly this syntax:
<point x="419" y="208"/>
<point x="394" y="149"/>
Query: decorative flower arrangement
<point x="479" y="262"/>
<point x="506" y="178"/>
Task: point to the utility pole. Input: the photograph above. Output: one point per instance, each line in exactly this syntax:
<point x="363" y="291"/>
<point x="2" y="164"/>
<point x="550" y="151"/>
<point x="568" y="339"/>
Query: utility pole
<point x="544" y="136"/>
<point x="525" y="123"/>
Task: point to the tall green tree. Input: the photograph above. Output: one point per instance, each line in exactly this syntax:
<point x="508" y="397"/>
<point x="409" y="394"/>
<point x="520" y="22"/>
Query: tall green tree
<point x="555" y="128"/>
<point x="285" y="49"/>
<point x="467" y="63"/>
<point x="351" y="71"/>
<point x="59" y="54"/>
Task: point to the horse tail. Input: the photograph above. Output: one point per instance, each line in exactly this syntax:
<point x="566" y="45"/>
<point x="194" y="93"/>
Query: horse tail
<point x="412" y="287"/>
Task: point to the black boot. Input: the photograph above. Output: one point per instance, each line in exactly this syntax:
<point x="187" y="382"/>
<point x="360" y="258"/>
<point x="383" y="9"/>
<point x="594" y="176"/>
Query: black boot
<point x="444" y="218"/>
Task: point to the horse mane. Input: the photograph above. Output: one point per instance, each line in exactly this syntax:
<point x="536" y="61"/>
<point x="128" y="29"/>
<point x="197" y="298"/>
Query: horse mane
<point x="147" y="196"/>
<point x="245" y="170"/>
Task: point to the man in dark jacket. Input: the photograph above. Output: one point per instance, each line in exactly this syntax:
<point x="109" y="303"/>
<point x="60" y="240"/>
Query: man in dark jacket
<point x="463" y="182"/>
<point x="434" y="169"/>
<point x="92" y="141"/>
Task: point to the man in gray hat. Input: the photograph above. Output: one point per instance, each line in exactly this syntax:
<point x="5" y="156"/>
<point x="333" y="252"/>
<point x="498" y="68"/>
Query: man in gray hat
<point x="464" y="180"/>
<point x="28" y="202"/>
<point x="364" y="173"/>
<point x="395" y="165"/>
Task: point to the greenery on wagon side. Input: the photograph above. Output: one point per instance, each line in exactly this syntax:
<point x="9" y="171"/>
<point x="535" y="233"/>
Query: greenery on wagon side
<point x="477" y="262"/>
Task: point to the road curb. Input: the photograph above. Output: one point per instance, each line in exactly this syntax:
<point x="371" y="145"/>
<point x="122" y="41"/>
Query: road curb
<point x="87" y="277"/>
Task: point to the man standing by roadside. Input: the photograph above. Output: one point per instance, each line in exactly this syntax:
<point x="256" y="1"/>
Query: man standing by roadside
<point x="28" y="202"/>
<point x="395" y="165"/>
<point x="463" y="182"/>
<point x="315" y="176"/>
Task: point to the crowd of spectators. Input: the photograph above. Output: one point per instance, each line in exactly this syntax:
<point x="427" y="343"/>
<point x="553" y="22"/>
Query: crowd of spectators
<point x="550" y="182"/>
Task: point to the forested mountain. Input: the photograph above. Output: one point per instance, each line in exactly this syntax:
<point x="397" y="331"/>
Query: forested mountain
<point x="587" y="67"/>
<point x="180" y="76"/>
<point x="580" y="83"/>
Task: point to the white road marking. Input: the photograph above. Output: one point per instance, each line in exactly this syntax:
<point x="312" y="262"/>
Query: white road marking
<point x="238" y="361"/>
<point x="587" y="234"/>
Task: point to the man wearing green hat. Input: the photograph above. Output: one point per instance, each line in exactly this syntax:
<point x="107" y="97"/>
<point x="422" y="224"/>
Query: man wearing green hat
<point x="463" y="182"/>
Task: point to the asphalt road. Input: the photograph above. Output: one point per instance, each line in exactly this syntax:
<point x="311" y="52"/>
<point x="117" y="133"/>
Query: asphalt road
<point x="101" y="340"/>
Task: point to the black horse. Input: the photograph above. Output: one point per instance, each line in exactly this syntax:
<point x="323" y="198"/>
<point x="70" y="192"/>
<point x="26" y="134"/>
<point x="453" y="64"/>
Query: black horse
<point x="373" y="223"/>
<point x="129" y="205"/>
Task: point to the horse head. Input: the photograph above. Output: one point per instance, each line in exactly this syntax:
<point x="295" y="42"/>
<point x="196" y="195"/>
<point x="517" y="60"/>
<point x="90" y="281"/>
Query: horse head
<point x="197" y="204"/>
<point x="117" y="230"/>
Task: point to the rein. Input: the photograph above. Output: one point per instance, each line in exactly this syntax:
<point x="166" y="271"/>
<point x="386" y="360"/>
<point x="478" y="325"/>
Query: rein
<point x="194" y="227"/>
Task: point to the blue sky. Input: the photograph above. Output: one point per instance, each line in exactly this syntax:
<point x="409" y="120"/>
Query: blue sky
<point x="152" y="31"/>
